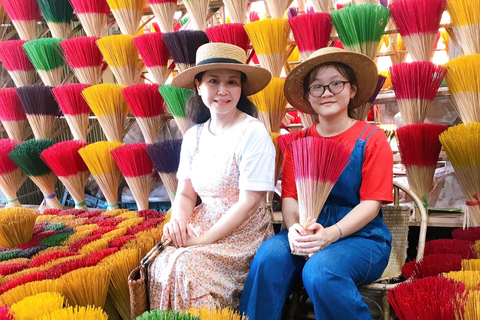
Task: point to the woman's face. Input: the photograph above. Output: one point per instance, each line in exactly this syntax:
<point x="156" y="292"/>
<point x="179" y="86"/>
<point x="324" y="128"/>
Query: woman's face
<point x="330" y="104"/>
<point x="220" y="90"/>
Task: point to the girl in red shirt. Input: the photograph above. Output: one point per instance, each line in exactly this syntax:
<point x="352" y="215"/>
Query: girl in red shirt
<point x="350" y="245"/>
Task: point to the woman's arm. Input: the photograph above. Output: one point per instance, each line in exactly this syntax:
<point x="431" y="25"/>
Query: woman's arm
<point x="246" y="205"/>
<point x="177" y="229"/>
<point x="356" y="219"/>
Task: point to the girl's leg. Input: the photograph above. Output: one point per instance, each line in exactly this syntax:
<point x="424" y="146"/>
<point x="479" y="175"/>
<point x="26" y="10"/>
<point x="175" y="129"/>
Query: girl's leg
<point x="332" y="275"/>
<point x="273" y="273"/>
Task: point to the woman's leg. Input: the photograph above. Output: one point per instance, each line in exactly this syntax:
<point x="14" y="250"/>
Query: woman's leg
<point x="273" y="273"/>
<point x="332" y="275"/>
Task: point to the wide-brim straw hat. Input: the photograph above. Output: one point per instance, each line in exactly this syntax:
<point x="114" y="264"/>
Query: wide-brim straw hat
<point x="364" y="68"/>
<point x="218" y="55"/>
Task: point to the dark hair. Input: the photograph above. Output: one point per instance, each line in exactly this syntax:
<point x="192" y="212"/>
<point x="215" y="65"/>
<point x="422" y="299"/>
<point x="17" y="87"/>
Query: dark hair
<point x="343" y="69"/>
<point x="198" y="112"/>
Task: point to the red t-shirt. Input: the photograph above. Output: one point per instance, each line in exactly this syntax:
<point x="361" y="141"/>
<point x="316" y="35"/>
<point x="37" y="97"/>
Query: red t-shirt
<point x="377" y="169"/>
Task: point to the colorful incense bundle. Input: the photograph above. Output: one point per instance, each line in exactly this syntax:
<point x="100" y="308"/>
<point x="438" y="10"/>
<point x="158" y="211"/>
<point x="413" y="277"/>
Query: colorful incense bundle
<point x="452" y="246"/>
<point x="16" y="61"/>
<point x="10" y="173"/>
<point x="277" y="8"/>
<point x="360" y="113"/>
<point x="317" y="163"/>
<point x="41" y="109"/>
<point x="86" y="286"/>
<point x="58" y="16"/>
<point x="27" y="157"/>
<point x="416" y="85"/>
<point x="146" y="104"/>
<point x="413" y="299"/>
<point x="74" y="107"/>
<point x="432" y="265"/>
<point x="84" y="58"/>
<point x="98" y="158"/>
<point x="122" y="57"/>
<point x="217" y="313"/>
<point x="36" y="306"/>
<point x="323" y="5"/>
<point x="183" y="45"/>
<point x="469" y="234"/>
<point x="164" y="11"/>
<point x="77" y="313"/>
<point x="418" y="23"/>
<point x="462" y="146"/>
<point x="466" y="23"/>
<point x="311" y="32"/>
<point x="93" y="15"/>
<point x="166" y="158"/>
<point x="470" y="278"/>
<point x="271" y="104"/>
<point x="197" y="12"/>
<point x="24" y="15"/>
<point x="16" y="226"/>
<point x="237" y="10"/>
<point x="360" y="27"/>
<point x="110" y="107"/>
<point x="127" y="13"/>
<point x="12" y="114"/>
<point x="269" y="38"/>
<point x="419" y="148"/>
<point x="233" y="33"/>
<point x="136" y="167"/>
<point x="464" y="84"/>
<point x="167" y="314"/>
<point x="176" y="100"/>
<point x="470" y="308"/>
<point x="66" y="163"/>
<point x="155" y="55"/>
<point x="44" y="55"/>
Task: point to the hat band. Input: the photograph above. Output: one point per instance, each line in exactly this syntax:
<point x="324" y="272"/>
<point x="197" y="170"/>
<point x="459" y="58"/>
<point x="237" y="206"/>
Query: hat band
<point x="218" y="60"/>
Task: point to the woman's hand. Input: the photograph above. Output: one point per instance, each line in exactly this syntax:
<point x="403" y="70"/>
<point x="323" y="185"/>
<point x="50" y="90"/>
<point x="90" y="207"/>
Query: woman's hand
<point x="295" y="232"/>
<point x="178" y="231"/>
<point x="311" y="244"/>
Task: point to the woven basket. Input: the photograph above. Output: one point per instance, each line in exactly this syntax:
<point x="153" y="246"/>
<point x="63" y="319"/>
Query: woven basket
<point x="396" y="219"/>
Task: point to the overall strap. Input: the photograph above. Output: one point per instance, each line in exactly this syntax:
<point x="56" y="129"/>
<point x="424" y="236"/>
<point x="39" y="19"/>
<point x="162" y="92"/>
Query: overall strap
<point x="368" y="136"/>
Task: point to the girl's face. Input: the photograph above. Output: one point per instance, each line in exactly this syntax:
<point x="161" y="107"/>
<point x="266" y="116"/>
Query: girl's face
<point x="220" y="90"/>
<point x="330" y="105"/>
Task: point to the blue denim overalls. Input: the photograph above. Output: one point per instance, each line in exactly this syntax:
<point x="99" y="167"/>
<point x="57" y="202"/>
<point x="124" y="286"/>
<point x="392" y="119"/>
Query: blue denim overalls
<point x="332" y="275"/>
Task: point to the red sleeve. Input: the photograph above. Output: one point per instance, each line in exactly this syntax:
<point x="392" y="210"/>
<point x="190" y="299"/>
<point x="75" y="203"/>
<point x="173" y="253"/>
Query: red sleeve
<point x="377" y="170"/>
<point x="289" y="189"/>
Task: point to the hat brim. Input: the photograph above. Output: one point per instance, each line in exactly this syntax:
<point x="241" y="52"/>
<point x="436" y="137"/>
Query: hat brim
<point x="257" y="77"/>
<point x="364" y="68"/>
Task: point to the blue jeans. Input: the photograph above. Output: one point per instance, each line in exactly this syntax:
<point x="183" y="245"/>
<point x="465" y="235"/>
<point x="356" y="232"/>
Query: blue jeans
<point x="330" y="278"/>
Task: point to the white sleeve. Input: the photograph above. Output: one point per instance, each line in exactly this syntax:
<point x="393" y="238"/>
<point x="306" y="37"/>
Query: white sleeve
<point x="257" y="160"/>
<point x="189" y="145"/>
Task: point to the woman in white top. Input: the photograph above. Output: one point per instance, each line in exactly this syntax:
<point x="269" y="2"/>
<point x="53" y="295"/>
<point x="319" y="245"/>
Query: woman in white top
<point x="228" y="160"/>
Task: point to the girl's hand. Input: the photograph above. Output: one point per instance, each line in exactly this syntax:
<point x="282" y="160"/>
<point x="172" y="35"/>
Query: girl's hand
<point x="294" y="232"/>
<point x="178" y="231"/>
<point x="321" y="238"/>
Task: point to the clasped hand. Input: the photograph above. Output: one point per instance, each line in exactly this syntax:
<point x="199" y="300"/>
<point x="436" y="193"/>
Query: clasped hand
<point x="180" y="233"/>
<point x="302" y="242"/>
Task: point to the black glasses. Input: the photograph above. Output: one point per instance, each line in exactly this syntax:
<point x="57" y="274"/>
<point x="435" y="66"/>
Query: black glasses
<point x="335" y="87"/>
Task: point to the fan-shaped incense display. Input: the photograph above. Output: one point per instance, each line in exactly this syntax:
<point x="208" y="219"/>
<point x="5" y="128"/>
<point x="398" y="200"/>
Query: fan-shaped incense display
<point x="323" y="5"/>
<point x="147" y="105"/>
<point x="98" y="158"/>
<point x="84" y="58"/>
<point x="176" y="100"/>
<point x="17" y="63"/>
<point x="93" y="15"/>
<point x="66" y="163"/>
<point x="237" y="10"/>
<point x="269" y="38"/>
<point x="58" y="15"/>
<point x="110" y="107"/>
<point x="44" y="55"/>
<point x="16" y="226"/>
<point x="155" y="55"/>
<point x="27" y="157"/>
<point x="36" y="306"/>
<point x="10" y="173"/>
<point x="466" y="23"/>
<point x="24" y="15"/>
<point x="12" y="114"/>
<point x="128" y="14"/>
<point x="164" y="11"/>
<point x="277" y="8"/>
<point x="360" y="113"/>
<point x="166" y="157"/>
<point x="122" y="57"/>
<point x="197" y="12"/>
<point x="183" y="45"/>
<point x="74" y="107"/>
<point x="233" y="33"/>
<point x="311" y="32"/>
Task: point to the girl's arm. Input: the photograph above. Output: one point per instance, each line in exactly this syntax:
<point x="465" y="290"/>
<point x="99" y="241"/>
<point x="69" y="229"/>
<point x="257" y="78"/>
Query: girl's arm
<point x="177" y="229"/>
<point x="246" y="205"/>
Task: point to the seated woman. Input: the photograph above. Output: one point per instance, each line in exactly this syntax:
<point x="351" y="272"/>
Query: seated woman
<point x="350" y="245"/>
<point x="228" y="160"/>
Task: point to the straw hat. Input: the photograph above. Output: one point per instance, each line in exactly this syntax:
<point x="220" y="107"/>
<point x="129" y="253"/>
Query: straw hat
<point x="364" y="68"/>
<point x="218" y="55"/>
